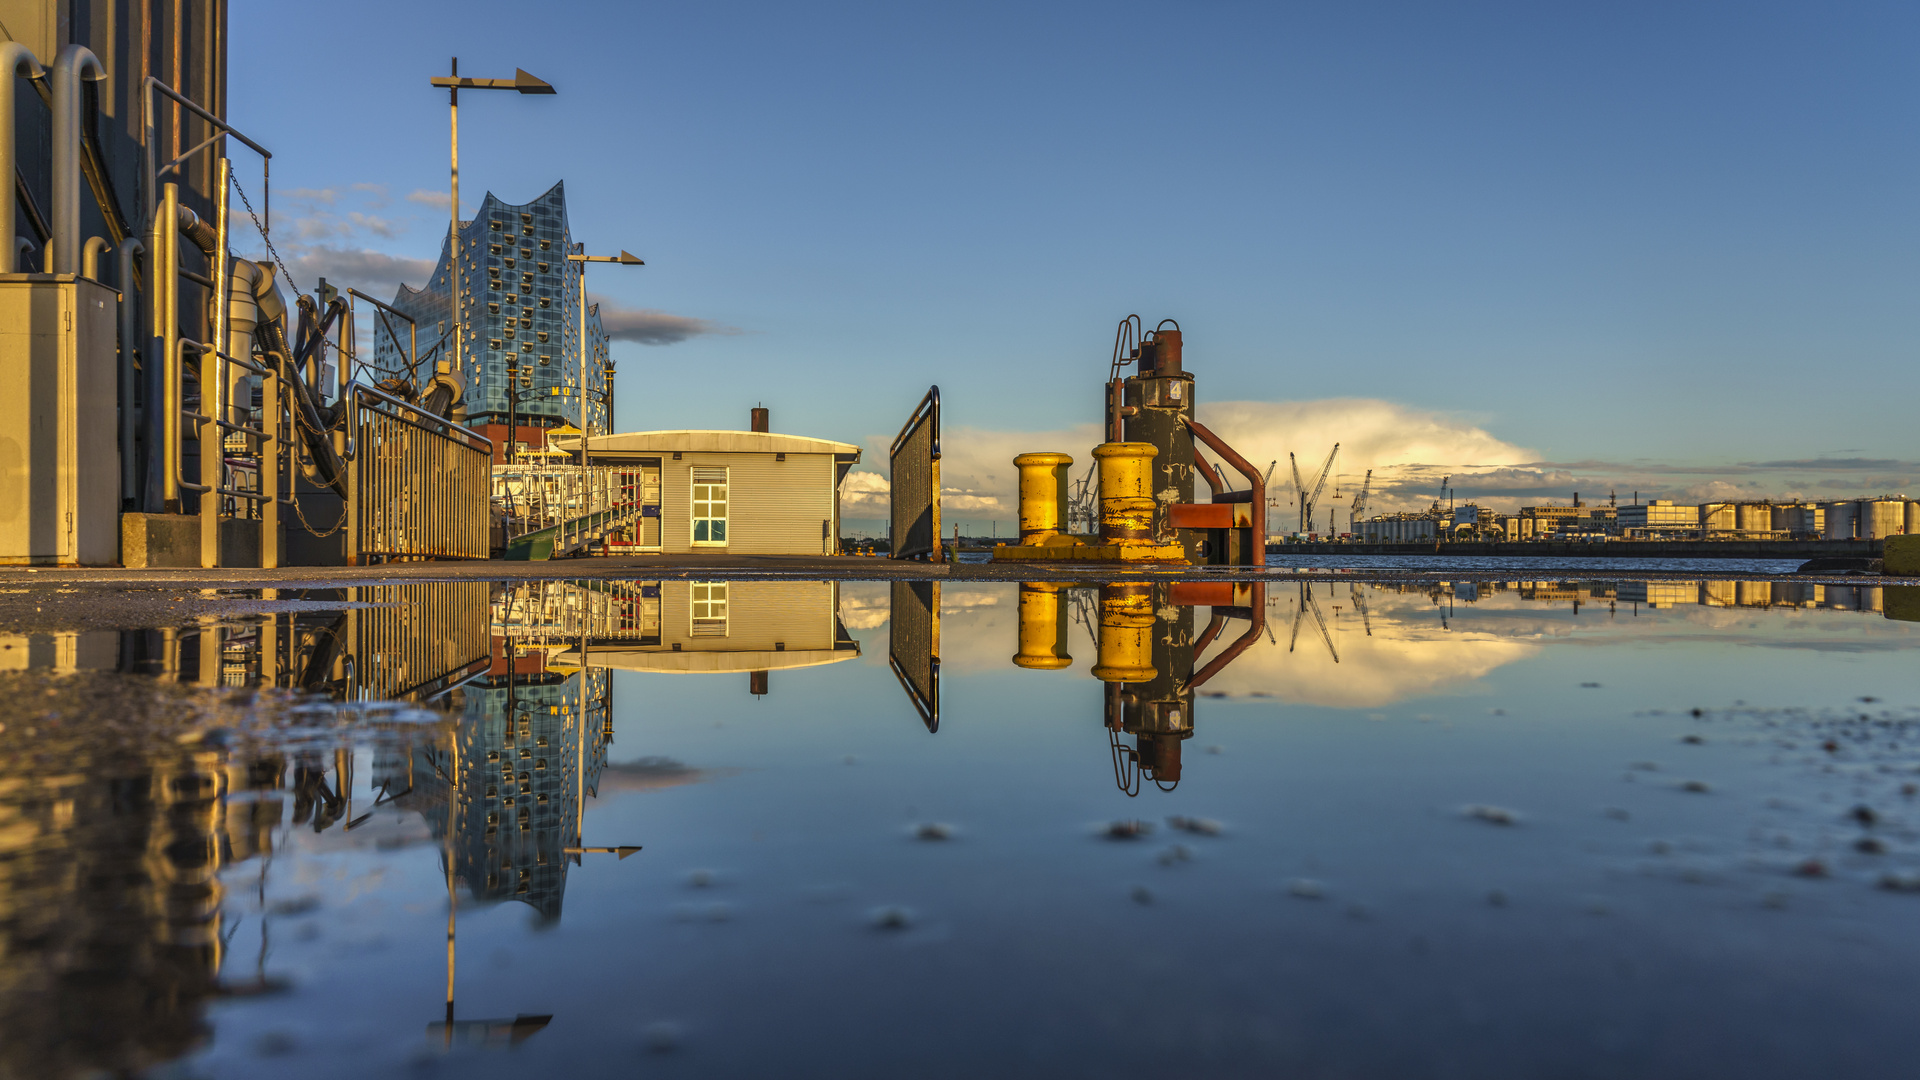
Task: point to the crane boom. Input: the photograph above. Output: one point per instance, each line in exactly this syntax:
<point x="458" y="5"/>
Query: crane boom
<point x="1360" y="503"/>
<point x="1307" y="502"/>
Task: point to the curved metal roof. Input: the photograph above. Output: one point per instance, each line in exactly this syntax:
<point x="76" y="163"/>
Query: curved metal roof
<point x="736" y="442"/>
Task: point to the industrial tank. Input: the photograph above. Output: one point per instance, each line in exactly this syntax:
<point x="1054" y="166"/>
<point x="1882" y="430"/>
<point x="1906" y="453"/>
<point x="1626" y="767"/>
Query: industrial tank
<point x="1841" y="517"/>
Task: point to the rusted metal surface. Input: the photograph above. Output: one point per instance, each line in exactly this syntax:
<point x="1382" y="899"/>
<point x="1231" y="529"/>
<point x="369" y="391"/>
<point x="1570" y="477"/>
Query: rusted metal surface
<point x="1257" y="497"/>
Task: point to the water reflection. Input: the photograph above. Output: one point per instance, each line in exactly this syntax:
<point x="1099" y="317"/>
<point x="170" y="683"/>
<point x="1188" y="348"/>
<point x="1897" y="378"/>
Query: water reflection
<point x="141" y="817"/>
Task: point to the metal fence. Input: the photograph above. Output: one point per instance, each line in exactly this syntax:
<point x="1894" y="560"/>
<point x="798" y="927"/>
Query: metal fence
<point x="914" y="485"/>
<point x="913" y="647"/>
<point x="415" y="641"/>
<point x="565" y="506"/>
<point x="420" y="483"/>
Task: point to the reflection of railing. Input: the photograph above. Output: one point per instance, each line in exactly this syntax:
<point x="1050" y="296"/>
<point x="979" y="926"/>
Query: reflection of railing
<point x="913" y="651"/>
<point x="565" y="611"/>
<point x="419" y="482"/>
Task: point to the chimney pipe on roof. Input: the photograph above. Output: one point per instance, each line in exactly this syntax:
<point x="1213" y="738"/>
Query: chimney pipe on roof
<point x="760" y="420"/>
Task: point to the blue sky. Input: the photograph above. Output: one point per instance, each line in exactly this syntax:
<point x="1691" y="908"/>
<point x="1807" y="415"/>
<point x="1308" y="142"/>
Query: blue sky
<point x="1625" y="242"/>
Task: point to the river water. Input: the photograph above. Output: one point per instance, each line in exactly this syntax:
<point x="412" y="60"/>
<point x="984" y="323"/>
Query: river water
<point x="1516" y="828"/>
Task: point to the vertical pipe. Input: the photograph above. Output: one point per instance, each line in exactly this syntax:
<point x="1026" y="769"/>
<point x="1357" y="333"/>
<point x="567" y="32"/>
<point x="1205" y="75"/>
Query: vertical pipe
<point x="15" y="62"/>
<point x="270" y="468"/>
<point x="166" y="285"/>
<point x="213" y="376"/>
<point x="74" y="63"/>
<point x="454" y="318"/>
<point x="129" y="348"/>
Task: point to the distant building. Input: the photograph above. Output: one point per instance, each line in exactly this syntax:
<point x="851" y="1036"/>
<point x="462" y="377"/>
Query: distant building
<point x="1657" y="518"/>
<point x="1400" y="529"/>
<point x="521" y="306"/>
<point x="742" y="492"/>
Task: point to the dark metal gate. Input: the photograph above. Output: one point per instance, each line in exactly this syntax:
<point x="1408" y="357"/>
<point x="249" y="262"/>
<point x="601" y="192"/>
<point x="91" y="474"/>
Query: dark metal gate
<point x="914" y="487"/>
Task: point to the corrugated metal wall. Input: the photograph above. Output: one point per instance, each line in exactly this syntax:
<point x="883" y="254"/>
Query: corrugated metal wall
<point x="773" y="507"/>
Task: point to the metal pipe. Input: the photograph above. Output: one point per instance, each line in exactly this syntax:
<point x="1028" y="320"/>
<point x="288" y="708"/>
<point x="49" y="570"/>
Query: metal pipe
<point x="166" y="314"/>
<point x="129" y="348"/>
<point x="213" y="373"/>
<point x="16" y="61"/>
<point x="1257" y="512"/>
<point x="74" y="63"/>
<point x="90" y="257"/>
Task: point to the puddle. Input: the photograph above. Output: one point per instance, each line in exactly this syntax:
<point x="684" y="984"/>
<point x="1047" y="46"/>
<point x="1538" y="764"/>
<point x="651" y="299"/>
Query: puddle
<point x="783" y="827"/>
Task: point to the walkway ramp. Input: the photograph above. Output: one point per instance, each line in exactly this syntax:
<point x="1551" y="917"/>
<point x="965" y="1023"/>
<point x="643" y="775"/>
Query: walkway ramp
<point x="556" y="510"/>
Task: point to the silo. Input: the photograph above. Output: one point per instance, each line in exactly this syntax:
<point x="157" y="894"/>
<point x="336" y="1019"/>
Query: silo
<point x="1913" y="518"/>
<point x="1881" y="518"/>
<point x="1840" y="520"/>
<point x="1716" y="517"/>
<point x="1753" y="517"/>
<point x="1783" y="518"/>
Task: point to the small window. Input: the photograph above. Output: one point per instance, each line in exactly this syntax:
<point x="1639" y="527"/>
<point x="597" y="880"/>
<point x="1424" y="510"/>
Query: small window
<point x="509" y="333"/>
<point x="511" y="299"/>
<point x="527" y="218"/>
<point x="709" y="505"/>
<point x="526" y="346"/>
<point x="528" y="229"/>
<point x="779" y="457"/>
<point x="494" y="343"/>
<point x="543" y="301"/>
<point x="545" y="244"/>
<point x="494" y="224"/>
<point x="494" y="286"/>
<point x="493" y="249"/>
<point x="526" y="253"/>
<point x="493" y="309"/>
<point x="542" y="267"/>
<point x="709" y="608"/>
<point x="542" y="335"/>
<point x="545" y="360"/>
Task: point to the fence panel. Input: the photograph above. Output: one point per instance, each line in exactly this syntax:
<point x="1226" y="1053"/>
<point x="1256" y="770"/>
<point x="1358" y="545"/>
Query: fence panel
<point x="913" y="647"/>
<point x="914" y="484"/>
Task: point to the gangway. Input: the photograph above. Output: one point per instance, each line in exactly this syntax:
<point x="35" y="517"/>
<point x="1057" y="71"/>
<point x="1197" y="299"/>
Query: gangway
<point x="553" y="510"/>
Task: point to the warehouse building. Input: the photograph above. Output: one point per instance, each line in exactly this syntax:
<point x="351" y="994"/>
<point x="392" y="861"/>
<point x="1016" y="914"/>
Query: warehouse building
<point x="741" y="492"/>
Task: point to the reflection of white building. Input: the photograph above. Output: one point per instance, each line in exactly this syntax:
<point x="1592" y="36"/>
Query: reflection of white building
<point x="712" y="627"/>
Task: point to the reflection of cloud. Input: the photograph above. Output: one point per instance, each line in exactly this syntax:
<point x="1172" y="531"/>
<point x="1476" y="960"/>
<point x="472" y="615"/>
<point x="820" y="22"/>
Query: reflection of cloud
<point x="1401" y="660"/>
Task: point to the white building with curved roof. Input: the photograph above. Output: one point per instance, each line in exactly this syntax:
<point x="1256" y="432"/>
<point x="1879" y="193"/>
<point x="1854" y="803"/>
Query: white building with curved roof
<point x="739" y="492"/>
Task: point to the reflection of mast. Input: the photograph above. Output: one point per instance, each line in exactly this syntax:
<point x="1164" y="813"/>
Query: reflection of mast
<point x="1359" y="598"/>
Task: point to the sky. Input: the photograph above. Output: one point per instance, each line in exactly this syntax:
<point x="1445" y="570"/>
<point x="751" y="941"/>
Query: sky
<point x="1661" y="248"/>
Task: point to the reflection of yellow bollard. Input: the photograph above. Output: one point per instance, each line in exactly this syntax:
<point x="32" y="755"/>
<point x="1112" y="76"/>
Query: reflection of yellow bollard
<point x="1042" y="644"/>
<point x="1126" y="631"/>
<point x="1043" y="493"/>
<point x="1126" y="493"/>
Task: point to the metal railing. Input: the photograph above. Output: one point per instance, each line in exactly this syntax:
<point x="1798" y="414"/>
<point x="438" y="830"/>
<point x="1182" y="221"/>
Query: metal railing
<point x="576" y="504"/>
<point x="418" y="483"/>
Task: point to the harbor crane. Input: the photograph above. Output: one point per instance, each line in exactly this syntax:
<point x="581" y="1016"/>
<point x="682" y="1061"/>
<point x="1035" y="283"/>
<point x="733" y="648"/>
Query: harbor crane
<point x="1359" y="503"/>
<point x="1307" y="501"/>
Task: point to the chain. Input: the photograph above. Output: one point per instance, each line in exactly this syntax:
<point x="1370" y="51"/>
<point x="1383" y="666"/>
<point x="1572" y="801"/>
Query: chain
<point x="284" y="272"/>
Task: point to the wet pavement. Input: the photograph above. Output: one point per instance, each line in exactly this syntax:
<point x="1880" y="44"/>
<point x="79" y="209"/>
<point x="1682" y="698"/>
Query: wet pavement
<point x="1320" y="825"/>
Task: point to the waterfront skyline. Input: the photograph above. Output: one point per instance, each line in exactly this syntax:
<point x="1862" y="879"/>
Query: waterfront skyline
<point x="1613" y="246"/>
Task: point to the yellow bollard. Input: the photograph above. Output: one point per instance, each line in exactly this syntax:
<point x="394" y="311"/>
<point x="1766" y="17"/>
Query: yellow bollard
<point x="1126" y="493"/>
<point x="1043" y="495"/>
<point x="1126" y="631"/>
<point x="1043" y="646"/>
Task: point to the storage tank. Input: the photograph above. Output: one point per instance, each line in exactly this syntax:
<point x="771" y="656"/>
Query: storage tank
<point x="1716" y="517"/>
<point x="1913" y="518"/>
<point x="1753" y="517"/>
<point x="1881" y="518"/>
<point x="1841" y="517"/>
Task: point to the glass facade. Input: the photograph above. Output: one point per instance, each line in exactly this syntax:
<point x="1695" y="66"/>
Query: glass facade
<point x="522" y="315"/>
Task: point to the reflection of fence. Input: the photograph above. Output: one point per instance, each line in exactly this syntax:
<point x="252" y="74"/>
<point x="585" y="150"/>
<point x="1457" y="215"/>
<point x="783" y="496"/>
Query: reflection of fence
<point x="413" y="641"/>
<point x="419" y="482"/>
<point x="565" y="611"/>
<point x="914" y="466"/>
<point x="555" y="509"/>
<point x="914" y="645"/>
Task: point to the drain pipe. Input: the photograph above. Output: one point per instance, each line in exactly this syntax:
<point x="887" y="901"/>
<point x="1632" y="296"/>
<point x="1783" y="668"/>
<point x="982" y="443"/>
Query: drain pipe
<point x="129" y="349"/>
<point x="16" y="62"/>
<point x="76" y="62"/>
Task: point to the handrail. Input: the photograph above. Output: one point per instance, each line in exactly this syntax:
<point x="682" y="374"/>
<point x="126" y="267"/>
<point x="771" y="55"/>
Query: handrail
<point x="929" y="405"/>
<point x="151" y="175"/>
<point x="357" y="389"/>
<point x="1257" y="615"/>
<point x="1257" y="548"/>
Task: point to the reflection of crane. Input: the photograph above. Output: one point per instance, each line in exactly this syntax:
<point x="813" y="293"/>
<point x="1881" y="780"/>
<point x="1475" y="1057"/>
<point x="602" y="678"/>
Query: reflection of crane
<point x="1308" y="603"/>
<point x="1307" y="501"/>
<point x="1359" y="598"/>
<point x="1359" y="503"/>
